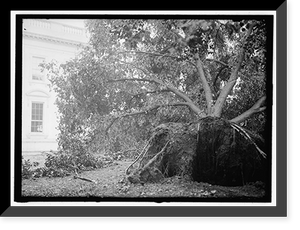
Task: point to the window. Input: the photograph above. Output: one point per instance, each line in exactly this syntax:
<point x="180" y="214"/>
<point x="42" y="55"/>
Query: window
<point x="37" y="117"/>
<point x="37" y="73"/>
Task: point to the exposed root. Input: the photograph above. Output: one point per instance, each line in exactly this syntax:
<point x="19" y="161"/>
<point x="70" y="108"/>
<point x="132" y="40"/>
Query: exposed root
<point x="141" y="156"/>
<point x="246" y="135"/>
<point x="212" y="150"/>
<point x="155" y="157"/>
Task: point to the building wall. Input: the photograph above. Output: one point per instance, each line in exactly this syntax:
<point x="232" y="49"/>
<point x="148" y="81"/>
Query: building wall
<point x="43" y="40"/>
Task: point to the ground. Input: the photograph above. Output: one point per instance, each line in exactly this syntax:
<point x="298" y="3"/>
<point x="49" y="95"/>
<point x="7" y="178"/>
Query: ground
<point x="111" y="182"/>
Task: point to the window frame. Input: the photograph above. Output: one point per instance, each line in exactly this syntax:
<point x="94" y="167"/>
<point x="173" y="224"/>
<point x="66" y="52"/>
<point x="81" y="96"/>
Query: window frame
<point x="32" y="120"/>
<point x="34" y="68"/>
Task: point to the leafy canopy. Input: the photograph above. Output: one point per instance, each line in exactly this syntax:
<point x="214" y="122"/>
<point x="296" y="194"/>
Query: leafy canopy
<point x="92" y="90"/>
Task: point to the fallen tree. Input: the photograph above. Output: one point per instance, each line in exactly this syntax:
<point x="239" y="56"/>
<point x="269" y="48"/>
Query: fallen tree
<point x="212" y="73"/>
<point x="220" y="152"/>
<point x="211" y="149"/>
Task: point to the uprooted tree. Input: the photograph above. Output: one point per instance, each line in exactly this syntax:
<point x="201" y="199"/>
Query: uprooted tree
<point x="188" y="96"/>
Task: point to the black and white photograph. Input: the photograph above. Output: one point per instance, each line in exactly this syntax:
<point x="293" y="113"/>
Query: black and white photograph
<point x="154" y="108"/>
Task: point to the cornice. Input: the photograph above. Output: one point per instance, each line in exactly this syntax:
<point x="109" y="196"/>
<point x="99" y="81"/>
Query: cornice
<point x="51" y="39"/>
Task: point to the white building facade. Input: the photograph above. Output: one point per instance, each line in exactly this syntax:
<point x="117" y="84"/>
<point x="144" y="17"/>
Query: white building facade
<point x="44" y="41"/>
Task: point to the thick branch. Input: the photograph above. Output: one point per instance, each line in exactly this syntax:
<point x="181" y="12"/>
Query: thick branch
<point x="183" y="96"/>
<point x="177" y="92"/>
<point x="256" y="108"/>
<point x="206" y="87"/>
<point x="233" y="77"/>
<point x="145" y="112"/>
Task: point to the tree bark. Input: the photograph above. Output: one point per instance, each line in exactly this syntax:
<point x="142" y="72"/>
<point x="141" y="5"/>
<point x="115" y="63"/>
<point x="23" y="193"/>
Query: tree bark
<point x="256" y="108"/>
<point x="206" y="87"/>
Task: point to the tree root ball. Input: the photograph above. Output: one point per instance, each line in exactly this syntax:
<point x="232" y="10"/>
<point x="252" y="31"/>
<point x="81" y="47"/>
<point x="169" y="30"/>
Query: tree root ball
<point x="224" y="156"/>
<point x="206" y="151"/>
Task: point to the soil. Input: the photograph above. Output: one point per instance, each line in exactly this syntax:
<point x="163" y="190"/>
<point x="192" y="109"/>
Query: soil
<point x="111" y="182"/>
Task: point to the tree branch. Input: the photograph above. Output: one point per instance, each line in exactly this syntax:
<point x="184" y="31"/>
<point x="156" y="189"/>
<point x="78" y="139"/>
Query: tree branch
<point x="217" y="61"/>
<point x="183" y="96"/>
<point x="135" y="79"/>
<point x="174" y="90"/>
<point x="149" y="92"/>
<point x="256" y="108"/>
<point x="148" y="53"/>
<point x="233" y="77"/>
<point x="177" y="92"/>
<point x="145" y="112"/>
<point x="134" y="65"/>
<point x="206" y="87"/>
<point x="155" y="54"/>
